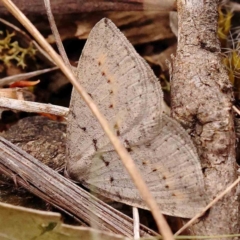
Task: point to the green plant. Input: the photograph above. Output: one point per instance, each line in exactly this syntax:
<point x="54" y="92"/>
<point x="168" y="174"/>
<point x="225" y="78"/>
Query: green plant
<point x="10" y="50"/>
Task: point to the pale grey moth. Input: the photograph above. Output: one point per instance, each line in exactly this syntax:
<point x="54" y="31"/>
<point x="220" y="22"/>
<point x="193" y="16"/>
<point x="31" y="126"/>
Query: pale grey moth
<point x="129" y="95"/>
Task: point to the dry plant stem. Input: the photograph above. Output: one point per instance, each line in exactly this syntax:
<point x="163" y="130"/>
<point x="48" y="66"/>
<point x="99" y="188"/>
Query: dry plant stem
<point x="136" y="223"/>
<point x="236" y="110"/>
<point x="202" y="101"/>
<point x="56" y="34"/>
<point x="61" y="192"/>
<point x="24" y="76"/>
<point x="124" y="155"/>
<point x="27" y="106"/>
<point x="221" y="195"/>
<point x="78" y="6"/>
<point x="234" y="6"/>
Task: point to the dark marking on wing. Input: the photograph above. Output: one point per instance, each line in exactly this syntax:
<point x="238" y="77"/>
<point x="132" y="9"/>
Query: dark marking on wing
<point x="73" y="114"/>
<point x="84" y="129"/>
<point x="118" y="195"/>
<point x="103" y="159"/>
<point x="95" y="143"/>
<point x="117" y="129"/>
<point x="148" y="144"/>
<point x="129" y="149"/>
<point x="90" y="95"/>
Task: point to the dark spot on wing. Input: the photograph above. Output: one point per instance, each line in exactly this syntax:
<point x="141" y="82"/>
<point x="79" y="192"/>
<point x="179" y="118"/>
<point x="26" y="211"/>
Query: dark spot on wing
<point x="117" y="129"/>
<point x="202" y="44"/>
<point x="127" y="142"/>
<point x="118" y="195"/>
<point x="164" y="178"/>
<point x="111" y="91"/>
<point x="99" y="63"/>
<point x="174" y="195"/>
<point x="83" y="128"/>
<point x="154" y="170"/>
<point x="95" y="144"/>
<point x="144" y="163"/>
<point x="90" y="95"/>
<point x="103" y="159"/>
<point x="166" y="186"/>
<point x="129" y="149"/>
<point x="73" y="114"/>
<point x="110" y="106"/>
<point x="111" y="179"/>
<point x="103" y="74"/>
<point x="108" y="81"/>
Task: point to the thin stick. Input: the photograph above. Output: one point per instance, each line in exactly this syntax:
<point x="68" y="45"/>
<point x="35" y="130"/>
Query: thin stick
<point x="136" y="226"/>
<point x="27" y="106"/>
<point x="56" y="34"/>
<point x="236" y="110"/>
<point x="222" y="194"/>
<point x="120" y="149"/>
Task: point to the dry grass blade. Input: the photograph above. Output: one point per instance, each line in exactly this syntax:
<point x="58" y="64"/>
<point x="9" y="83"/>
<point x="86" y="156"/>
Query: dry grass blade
<point x="136" y="223"/>
<point x="56" y="33"/>
<point x="120" y="149"/>
<point x="221" y="195"/>
<point x="23" y="76"/>
<point x="236" y="110"/>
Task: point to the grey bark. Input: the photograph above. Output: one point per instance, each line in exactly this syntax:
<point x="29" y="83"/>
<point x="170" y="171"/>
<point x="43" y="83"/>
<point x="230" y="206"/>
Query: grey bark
<point x="202" y="101"/>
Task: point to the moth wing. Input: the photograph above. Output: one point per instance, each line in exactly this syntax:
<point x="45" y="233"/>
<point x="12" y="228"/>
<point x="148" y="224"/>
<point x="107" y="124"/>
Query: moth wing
<point x="169" y="165"/>
<point x="124" y="88"/>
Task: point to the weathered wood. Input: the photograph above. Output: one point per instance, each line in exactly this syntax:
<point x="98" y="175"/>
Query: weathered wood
<point x="202" y="101"/>
<point x="33" y="7"/>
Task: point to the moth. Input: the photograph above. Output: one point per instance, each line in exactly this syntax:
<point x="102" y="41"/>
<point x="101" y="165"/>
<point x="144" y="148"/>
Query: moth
<point x="130" y="96"/>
